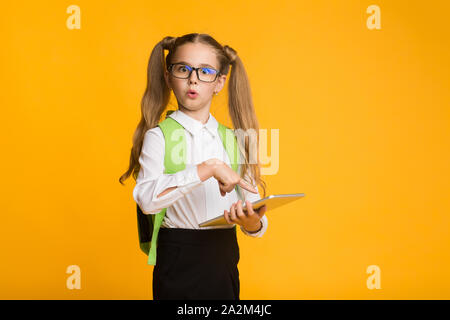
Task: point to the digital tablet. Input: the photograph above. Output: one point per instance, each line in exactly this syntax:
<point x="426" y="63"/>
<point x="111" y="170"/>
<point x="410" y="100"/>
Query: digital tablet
<point x="272" y="202"/>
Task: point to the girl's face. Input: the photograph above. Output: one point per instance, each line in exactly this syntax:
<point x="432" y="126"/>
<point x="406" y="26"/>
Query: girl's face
<point x="194" y="55"/>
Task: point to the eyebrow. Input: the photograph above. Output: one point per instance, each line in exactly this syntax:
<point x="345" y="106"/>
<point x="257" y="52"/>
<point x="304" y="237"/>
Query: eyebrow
<point x="201" y="65"/>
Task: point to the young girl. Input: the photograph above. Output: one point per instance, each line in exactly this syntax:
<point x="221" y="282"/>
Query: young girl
<point x="194" y="262"/>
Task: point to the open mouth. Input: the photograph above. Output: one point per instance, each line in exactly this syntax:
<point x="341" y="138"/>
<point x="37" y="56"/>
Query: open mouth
<point x="192" y="93"/>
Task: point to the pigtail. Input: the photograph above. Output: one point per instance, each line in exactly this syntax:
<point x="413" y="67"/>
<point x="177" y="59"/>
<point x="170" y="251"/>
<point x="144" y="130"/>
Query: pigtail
<point x="154" y="102"/>
<point x="243" y="116"/>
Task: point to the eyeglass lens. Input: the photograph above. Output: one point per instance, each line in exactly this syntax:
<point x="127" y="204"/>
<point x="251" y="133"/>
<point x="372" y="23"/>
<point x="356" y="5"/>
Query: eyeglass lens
<point x="182" y="71"/>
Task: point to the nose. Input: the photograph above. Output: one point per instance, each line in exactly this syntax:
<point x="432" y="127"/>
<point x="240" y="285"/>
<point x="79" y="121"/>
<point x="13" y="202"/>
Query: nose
<point x="193" y="77"/>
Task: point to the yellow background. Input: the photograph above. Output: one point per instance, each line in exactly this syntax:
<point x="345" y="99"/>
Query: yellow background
<point x="364" y="133"/>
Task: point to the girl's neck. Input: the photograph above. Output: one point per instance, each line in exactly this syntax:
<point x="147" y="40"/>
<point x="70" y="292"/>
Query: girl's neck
<point x="201" y="115"/>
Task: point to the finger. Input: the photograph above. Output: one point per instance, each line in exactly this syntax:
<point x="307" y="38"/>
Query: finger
<point x="262" y="211"/>
<point x="225" y="188"/>
<point x="245" y="185"/>
<point x="229" y="188"/>
<point x="249" y="207"/>
<point x="226" y="216"/>
<point x="233" y="213"/>
<point x="222" y="193"/>
<point x="239" y="212"/>
<point x="244" y="208"/>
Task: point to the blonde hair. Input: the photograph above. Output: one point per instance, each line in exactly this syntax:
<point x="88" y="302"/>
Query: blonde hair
<point x="240" y="104"/>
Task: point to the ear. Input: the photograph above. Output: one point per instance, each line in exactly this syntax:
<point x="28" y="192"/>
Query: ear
<point x="166" y="77"/>
<point x="220" y="82"/>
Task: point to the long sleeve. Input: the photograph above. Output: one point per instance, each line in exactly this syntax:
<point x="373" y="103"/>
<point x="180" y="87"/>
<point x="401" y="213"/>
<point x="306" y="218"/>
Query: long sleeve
<point x="152" y="181"/>
<point x="252" y="197"/>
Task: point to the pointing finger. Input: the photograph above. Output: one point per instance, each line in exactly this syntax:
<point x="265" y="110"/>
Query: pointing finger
<point x="245" y="185"/>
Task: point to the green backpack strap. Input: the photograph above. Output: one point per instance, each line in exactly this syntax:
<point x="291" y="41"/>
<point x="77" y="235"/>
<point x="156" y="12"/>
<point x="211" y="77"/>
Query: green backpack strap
<point x="149" y="224"/>
<point x="174" y="161"/>
<point x="230" y="144"/>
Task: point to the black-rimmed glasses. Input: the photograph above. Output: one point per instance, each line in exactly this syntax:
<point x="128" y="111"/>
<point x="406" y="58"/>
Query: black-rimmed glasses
<point x="183" y="71"/>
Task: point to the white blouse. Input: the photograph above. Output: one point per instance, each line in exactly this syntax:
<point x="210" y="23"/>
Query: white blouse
<point x="193" y="201"/>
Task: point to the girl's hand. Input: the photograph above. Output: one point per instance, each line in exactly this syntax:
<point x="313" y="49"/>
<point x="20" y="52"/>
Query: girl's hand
<point x="249" y="219"/>
<point x="227" y="178"/>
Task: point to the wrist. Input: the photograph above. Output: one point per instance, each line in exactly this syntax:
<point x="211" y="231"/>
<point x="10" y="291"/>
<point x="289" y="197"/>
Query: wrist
<point x="206" y="169"/>
<point x="254" y="229"/>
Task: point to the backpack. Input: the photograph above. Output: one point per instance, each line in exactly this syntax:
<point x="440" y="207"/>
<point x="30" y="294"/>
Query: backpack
<point x="149" y="224"/>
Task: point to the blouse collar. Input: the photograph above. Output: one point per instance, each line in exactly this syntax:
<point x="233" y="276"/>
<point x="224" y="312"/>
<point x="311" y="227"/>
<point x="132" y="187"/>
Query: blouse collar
<point x="194" y="126"/>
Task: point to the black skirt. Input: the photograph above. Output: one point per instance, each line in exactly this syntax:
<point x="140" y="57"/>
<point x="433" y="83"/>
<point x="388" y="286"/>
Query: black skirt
<point x="196" y="265"/>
